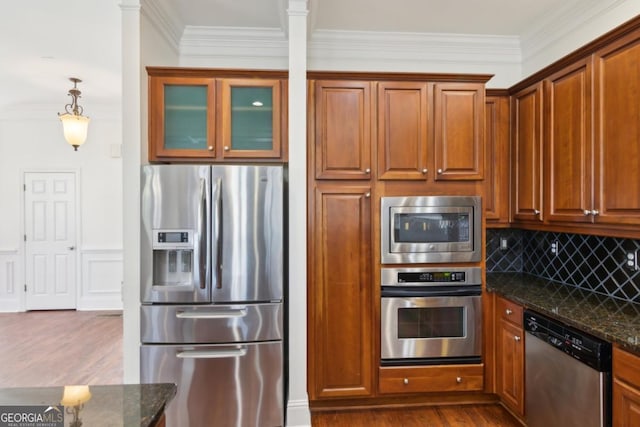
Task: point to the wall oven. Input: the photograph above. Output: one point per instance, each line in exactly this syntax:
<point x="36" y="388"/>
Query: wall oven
<point x="431" y="315"/>
<point x="430" y="229"/>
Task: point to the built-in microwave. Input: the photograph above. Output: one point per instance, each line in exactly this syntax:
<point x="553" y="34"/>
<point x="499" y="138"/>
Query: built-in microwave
<point x="430" y="229"/>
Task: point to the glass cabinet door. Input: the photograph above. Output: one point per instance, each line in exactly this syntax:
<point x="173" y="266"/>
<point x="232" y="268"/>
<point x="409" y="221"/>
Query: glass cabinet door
<point x="184" y="108"/>
<point x="250" y="118"/>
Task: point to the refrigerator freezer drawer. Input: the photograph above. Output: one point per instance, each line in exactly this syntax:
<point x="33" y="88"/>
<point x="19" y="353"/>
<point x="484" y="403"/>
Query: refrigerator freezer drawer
<point x="211" y="323"/>
<point x="219" y="385"/>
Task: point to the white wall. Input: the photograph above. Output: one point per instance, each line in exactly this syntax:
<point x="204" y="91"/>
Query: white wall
<point x="31" y="140"/>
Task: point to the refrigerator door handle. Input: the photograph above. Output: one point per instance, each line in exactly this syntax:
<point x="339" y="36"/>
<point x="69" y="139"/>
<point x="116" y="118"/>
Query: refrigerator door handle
<point x="202" y="235"/>
<point x="212" y="354"/>
<point x="216" y="314"/>
<point x="217" y="226"/>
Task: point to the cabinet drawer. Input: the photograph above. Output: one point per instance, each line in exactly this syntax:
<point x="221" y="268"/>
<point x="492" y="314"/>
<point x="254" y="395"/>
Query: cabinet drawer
<point x="509" y="311"/>
<point x="419" y="379"/>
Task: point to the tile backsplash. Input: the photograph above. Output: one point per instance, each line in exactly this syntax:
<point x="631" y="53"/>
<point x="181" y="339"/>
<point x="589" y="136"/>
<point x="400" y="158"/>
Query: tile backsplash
<point x="592" y="263"/>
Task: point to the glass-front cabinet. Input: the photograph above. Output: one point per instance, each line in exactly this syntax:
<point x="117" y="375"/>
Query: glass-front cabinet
<point x="216" y="115"/>
<point x="250" y="123"/>
<point x="182" y="123"/>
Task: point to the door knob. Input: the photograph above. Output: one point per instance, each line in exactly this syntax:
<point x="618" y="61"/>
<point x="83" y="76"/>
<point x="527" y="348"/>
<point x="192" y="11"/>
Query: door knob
<point x="71" y="248"/>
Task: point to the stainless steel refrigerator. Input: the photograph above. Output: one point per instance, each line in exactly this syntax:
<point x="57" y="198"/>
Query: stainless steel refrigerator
<point x="212" y="292"/>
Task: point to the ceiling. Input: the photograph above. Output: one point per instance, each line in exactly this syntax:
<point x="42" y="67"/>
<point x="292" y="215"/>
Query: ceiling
<point x="487" y="17"/>
<point x="48" y="41"/>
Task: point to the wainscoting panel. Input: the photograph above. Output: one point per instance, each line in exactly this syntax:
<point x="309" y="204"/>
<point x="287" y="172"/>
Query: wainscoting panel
<point x="10" y="281"/>
<point x="101" y="284"/>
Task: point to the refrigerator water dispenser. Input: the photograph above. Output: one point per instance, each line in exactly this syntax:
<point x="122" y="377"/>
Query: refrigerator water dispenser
<point x="173" y="258"/>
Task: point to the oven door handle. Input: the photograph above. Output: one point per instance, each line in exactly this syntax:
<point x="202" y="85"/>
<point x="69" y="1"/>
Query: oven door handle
<point x="435" y="291"/>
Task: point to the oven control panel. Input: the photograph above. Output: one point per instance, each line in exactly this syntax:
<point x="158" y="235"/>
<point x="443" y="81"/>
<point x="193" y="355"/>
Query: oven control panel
<point x="430" y="276"/>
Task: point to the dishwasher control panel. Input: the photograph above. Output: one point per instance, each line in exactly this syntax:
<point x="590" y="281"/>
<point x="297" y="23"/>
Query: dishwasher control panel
<point x="580" y="345"/>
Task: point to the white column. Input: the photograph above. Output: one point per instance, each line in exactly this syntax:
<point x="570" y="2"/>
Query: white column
<point x="298" y="402"/>
<point x="131" y="160"/>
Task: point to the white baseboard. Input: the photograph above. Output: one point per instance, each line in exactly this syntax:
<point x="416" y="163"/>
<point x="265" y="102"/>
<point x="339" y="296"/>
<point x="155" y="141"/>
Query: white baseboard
<point x="298" y="413"/>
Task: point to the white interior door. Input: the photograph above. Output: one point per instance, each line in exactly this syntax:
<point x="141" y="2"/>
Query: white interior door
<point x="50" y="240"/>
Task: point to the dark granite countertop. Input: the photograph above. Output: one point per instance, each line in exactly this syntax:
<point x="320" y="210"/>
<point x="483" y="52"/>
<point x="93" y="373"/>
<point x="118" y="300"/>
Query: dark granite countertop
<point x="109" y="406"/>
<point x="607" y="318"/>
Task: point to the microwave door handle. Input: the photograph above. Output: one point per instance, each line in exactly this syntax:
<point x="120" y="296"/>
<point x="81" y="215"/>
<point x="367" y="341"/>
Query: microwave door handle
<point x="217" y="228"/>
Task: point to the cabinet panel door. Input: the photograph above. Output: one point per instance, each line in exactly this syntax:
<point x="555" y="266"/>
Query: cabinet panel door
<point x="617" y="154"/>
<point x="341" y="351"/>
<point x="527" y="154"/>
<point x="181" y="117"/>
<point x="250" y="115"/>
<point x="459" y="131"/>
<point x="568" y="145"/>
<point x="342" y="130"/>
<point x="511" y="366"/>
<point x="626" y="405"/>
<point x="403" y="130"/>
<point x="496" y="200"/>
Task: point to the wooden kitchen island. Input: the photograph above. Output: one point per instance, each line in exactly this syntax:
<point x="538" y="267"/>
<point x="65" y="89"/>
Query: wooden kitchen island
<point x="109" y="405"/>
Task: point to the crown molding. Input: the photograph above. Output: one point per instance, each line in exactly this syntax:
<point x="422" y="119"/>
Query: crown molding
<point x="459" y="48"/>
<point x="165" y="21"/>
<point x="230" y="42"/>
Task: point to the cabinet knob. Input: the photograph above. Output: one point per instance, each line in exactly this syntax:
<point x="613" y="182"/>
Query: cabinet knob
<point x="405" y="381"/>
<point x="587" y="212"/>
<point x="517" y="338"/>
<point x="367" y="170"/>
<point x="439" y="171"/>
<point x="210" y="148"/>
<point x="595" y="212"/>
<point x="367" y="195"/>
<point x="424" y="171"/>
<point x="458" y="380"/>
<point x="508" y="311"/>
<point x="536" y="212"/>
<point x="226" y="148"/>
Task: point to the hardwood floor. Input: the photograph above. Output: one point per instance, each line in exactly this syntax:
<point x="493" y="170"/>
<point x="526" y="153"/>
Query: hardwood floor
<point x="53" y="348"/>
<point x="437" y="416"/>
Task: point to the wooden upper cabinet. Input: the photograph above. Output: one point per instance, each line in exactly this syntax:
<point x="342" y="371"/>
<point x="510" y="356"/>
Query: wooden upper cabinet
<point x="341" y="351"/>
<point x="459" y="131"/>
<point x="181" y="117"/>
<point x="209" y="115"/>
<point x="617" y="131"/>
<point x="342" y="129"/>
<point x="496" y="200"/>
<point x="526" y="110"/>
<point x="250" y="116"/>
<point x="568" y="144"/>
<point x="403" y="130"/>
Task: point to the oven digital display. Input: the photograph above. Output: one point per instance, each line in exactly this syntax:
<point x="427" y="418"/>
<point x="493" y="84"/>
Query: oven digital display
<point x="431" y="276"/>
<point x="431" y="322"/>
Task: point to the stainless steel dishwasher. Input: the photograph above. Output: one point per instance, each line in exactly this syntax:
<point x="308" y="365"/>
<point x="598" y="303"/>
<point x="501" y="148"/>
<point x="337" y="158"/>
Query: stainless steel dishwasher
<point x="567" y="375"/>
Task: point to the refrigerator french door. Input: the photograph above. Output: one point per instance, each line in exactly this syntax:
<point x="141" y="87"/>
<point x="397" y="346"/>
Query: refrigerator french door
<point x="211" y="293"/>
